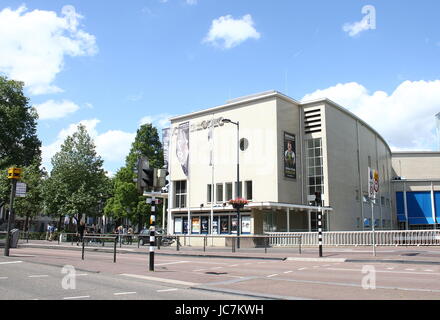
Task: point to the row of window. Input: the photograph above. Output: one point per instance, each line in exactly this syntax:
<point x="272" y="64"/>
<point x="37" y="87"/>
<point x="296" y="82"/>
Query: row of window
<point x="383" y="200"/>
<point x="224" y="192"/>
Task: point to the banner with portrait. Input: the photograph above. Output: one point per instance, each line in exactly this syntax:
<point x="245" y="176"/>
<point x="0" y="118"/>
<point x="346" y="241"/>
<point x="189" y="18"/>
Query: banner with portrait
<point x="289" y="155"/>
<point x="166" y="146"/>
<point x="182" y="147"/>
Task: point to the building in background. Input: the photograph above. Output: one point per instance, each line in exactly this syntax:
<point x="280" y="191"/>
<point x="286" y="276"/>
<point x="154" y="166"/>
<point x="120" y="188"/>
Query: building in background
<point x="288" y="151"/>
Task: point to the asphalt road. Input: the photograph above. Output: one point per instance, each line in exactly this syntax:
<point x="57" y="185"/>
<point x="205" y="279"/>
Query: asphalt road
<point x="39" y="276"/>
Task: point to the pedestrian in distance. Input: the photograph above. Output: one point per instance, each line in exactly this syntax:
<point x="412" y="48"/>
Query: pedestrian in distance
<point x="130" y="235"/>
<point x="80" y="233"/>
<point x="48" y="231"/>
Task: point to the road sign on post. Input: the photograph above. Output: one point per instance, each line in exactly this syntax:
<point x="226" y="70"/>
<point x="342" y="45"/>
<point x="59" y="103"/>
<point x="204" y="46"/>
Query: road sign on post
<point x="14" y="174"/>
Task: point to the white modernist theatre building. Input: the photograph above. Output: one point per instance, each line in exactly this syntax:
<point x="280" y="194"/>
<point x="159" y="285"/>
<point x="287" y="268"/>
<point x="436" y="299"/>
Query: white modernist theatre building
<point x="286" y="151"/>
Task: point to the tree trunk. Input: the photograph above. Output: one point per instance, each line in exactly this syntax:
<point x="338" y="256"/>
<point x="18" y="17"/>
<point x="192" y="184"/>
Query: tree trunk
<point x="26" y="227"/>
<point x="59" y="223"/>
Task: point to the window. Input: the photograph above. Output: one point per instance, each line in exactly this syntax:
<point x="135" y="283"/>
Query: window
<point x="388" y="202"/>
<point x="314" y="160"/>
<point x="239" y="190"/>
<point x="219" y="192"/>
<point x="228" y="186"/>
<point x="357" y="194"/>
<point x="382" y="201"/>
<point x="209" y="193"/>
<point x="180" y="197"/>
<point x="248" y="190"/>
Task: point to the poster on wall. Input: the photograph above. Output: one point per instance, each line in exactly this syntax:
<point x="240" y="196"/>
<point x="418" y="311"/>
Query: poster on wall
<point x="246" y="225"/>
<point x="205" y="229"/>
<point x="166" y="145"/>
<point x="178" y="225"/>
<point x="234" y="225"/>
<point x="215" y="226"/>
<point x="289" y="156"/>
<point x="182" y="147"/>
<point x="195" y="225"/>
<point x="224" y="224"/>
<point x="185" y="225"/>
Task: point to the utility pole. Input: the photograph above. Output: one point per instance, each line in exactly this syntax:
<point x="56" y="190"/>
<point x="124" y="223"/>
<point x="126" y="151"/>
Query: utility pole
<point x="318" y="203"/>
<point x="14" y="174"/>
<point x="152" y="232"/>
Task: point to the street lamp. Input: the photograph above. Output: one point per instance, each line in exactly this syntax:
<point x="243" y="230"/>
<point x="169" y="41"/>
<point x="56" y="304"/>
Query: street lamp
<point x="238" y="176"/>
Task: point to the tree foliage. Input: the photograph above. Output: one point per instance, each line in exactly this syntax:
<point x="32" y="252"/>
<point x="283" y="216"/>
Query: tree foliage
<point x="77" y="181"/>
<point x="19" y="144"/>
<point x="126" y="201"/>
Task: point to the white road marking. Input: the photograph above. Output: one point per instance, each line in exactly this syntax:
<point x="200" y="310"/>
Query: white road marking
<point x="300" y="269"/>
<point x="410" y="269"/>
<point x="429" y="270"/>
<point x="38" y="276"/>
<point x="390" y="268"/>
<point x="216" y="268"/>
<point x="234" y="265"/>
<point x="288" y="271"/>
<point x="272" y="275"/>
<point x="184" y="283"/>
<point x="167" y="290"/>
<point x="199" y="270"/>
<point x="81" y="274"/>
<point x="405" y="272"/>
<point x="80" y="297"/>
<point x="166" y="263"/>
<point x="11" y="262"/>
<point x="123" y="293"/>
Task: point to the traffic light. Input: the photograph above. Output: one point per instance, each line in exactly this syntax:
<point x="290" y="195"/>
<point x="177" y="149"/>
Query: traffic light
<point x="145" y="174"/>
<point x="318" y="200"/>
<point x="167" y="182"/>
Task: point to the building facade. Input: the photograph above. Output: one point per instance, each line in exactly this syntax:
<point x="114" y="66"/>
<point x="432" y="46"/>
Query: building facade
<point x="287" y="151"/>
<point x="416" y="186"/>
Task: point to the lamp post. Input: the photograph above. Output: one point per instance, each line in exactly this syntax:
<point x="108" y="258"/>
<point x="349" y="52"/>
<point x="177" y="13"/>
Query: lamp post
<point x="237" y="195"/>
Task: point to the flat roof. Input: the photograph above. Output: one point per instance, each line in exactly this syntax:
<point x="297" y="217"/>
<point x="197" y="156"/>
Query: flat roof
<point x="273" y="93"/>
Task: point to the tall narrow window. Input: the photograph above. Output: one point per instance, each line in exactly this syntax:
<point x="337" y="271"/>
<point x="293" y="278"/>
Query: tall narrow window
<point x="219" y="192"/>
<point x="228" y="186"/>
<point x="209" y="193"/>
<point x="240" y="189"/>
<point x="180" y="197"/>
<point x="314" y="160"/>
<point x="249" y="190"/>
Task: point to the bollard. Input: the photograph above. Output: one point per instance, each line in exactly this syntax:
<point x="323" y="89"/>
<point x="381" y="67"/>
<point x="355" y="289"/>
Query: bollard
<point x="83" y="248"/>
<point x="300" y="245"/>
<point x="159" y="240"/>
<point x="204" y="243"/>
<point x="114" y="250"/>
<point x="177" y="244"/>
<point x="120" y="241"/>
<point x="233" y="244"/>
<point x="72" y="238"/>
<point x="266" y="241"/>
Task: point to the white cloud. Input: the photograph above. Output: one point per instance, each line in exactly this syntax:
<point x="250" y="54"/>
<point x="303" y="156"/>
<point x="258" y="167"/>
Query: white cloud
<point x="113" y="146"/>
<point x="227" y="32"/>
<point x="158" y="120"/>
<point x="368" y="22"/>
<point x="191" y="2"/>
<point x="55" y="109"/>
<point x="405" y="118"/>
<point x="136" y="97"/>
<point x="34" y="43"/>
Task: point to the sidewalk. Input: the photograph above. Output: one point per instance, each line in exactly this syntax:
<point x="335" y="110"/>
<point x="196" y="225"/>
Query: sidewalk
<point x="410" y="255"/>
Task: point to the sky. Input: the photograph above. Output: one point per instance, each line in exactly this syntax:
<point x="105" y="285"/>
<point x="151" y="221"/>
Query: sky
<point x="114" y="65"/>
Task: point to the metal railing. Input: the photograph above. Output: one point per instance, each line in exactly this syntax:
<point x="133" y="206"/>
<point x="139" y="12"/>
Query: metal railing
<point x="234" y="243"/>
<point x="360" y="238"/>
<point x="99" y="238"/>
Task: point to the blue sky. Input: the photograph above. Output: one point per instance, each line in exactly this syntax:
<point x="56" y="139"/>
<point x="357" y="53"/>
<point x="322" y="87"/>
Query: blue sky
<point x="115" y="64"/>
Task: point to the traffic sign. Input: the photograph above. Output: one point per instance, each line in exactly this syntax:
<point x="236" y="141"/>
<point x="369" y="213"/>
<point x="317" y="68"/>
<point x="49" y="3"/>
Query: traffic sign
<point x="21" y="189"/>
<point x="14" y="173"/>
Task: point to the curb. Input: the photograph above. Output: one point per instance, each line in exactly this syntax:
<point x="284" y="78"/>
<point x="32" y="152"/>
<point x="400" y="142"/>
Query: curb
<point x="128" y="251"/>
<point x="394" y="261"/>
<point x="317" y="259"/>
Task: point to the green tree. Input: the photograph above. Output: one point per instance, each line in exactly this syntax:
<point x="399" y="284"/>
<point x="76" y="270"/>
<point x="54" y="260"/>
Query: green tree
<point x="77" y="182"/>
<point x="32" y="204"/>
<point x="126" y="201"/>
<point x="19" y="144"/>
